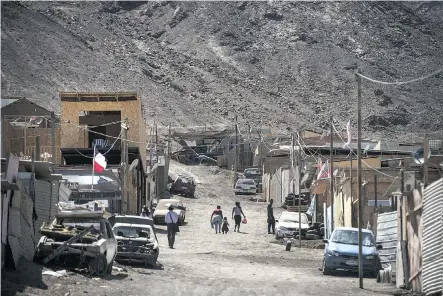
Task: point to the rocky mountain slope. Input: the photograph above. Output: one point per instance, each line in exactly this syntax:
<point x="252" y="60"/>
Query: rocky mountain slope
<point x="194" y="63"/>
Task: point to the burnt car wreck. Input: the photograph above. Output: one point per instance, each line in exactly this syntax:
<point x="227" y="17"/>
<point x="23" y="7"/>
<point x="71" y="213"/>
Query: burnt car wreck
<point x="78" y="238"/>
<point x="136" y="240"/>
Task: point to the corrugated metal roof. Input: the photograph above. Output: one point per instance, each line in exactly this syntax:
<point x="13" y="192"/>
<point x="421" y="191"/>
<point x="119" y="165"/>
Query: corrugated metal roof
<point x="433" y="238"/>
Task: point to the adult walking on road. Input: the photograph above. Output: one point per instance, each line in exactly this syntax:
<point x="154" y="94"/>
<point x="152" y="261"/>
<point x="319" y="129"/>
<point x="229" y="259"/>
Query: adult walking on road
<point x="171" y="220"/>
<point x="271" y="218"/>
<point x="217" y="217"/>
<point x="236" y="215"/>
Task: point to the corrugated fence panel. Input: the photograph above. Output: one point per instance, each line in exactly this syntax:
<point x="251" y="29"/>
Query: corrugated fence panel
<point x="433" y="238"/>
<point x="387" y="237"/>
<point x="43" y="206"/>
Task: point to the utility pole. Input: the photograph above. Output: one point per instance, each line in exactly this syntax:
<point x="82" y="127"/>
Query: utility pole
<point x="426" y="156"/>
<point x="402" y="189"/>
<point x="157" y="193"/>
<point x="169" y="141"/>
<point x="236" y="152"/>
<point x="359" y="177"/>
<point x="123" y="147"/>
<point x="53" y="137"/>
<point x="299" y="193"/>
<point x="292" y="168"/>
<point x="331" y="165"/>
<point x="375" y="194"/>
<point x="352" y="190"/>
<point x="37" y="148"/>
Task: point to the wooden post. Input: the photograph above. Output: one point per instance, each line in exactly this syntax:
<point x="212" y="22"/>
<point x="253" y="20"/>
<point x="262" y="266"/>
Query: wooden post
<point x="53" y="137"/>
<point x="375" y="194"/>
<point x="299" y="194"/>
<point x="37" y="148"/>
<point x="331" y="165"/>
<point x="359" y="178"/>
<point x="426" y="156"/>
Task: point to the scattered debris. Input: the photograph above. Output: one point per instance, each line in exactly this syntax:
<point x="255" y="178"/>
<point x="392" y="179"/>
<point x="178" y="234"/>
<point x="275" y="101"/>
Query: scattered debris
<point x="58" y="273"/>
<point x="117" y="268"/>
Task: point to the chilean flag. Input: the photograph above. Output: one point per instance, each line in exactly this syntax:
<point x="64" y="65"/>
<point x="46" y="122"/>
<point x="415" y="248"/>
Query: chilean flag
<point x="99" y="162"/>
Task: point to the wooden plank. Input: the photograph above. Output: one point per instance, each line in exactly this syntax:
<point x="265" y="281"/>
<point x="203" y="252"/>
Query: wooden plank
<point x="65" y="244"/>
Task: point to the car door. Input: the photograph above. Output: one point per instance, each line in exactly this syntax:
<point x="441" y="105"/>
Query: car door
<point x="111" y="244"/>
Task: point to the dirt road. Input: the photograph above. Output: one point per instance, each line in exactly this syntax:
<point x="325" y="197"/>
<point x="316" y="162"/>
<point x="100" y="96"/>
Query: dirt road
<point x="203" y="263"/>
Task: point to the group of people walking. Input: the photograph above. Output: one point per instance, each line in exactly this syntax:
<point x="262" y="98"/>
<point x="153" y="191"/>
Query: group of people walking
<point x="221" y="224"/>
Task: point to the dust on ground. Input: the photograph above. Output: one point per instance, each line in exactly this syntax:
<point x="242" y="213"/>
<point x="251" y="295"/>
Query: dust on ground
<point x="204" y="263"/>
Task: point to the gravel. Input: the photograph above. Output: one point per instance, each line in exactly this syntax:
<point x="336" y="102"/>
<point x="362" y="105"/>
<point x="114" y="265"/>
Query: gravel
<point x="203" y="263"/>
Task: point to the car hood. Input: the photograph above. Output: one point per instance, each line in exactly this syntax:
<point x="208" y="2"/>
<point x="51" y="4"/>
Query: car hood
<point x="350" y="249"/>
<point x="293" y="225"/>
<point x="159" y="212"/>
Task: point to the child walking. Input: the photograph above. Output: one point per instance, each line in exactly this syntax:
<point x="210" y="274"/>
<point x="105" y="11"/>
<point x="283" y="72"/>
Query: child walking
<point x="225" y="227"/>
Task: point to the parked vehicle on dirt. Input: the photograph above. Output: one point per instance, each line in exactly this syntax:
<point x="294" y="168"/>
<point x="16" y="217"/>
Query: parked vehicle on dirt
<point x="162" y="209"/>
<point x="287" y="225"/>
<point x="341" y="252"/>
<point x="136" y="240"/>
<point x="183" y="185"/>
<point x="245" y="186"/>
<point x="78" y="237"/>
<point x="256" y="175"/>
<point x="291" y="198"/>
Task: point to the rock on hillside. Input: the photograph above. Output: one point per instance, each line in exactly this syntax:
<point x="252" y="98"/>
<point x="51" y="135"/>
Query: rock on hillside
<point x="285" y="64"/>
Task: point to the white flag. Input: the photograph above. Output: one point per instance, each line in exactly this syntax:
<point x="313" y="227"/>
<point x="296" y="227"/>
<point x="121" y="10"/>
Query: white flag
<point x="348" y="130"/>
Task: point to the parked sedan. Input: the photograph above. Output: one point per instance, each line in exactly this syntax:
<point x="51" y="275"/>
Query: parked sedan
<point x="162" y="209"/>
<point x="287" y="224"/>
<point x="245" y="186"/>
<point x="341" y="251"/>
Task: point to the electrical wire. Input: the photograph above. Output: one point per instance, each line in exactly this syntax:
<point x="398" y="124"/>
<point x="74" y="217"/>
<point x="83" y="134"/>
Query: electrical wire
<point x="400" y="82"/>
<point x="110" y="148"/>
<point x="352" y="150"/>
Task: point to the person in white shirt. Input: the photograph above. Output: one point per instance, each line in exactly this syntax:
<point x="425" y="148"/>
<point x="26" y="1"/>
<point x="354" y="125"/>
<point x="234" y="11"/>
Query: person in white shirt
<point x="171" y="220"/>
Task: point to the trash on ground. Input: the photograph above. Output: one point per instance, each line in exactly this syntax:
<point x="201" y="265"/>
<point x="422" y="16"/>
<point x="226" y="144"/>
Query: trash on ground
<point x="59" y="273"/>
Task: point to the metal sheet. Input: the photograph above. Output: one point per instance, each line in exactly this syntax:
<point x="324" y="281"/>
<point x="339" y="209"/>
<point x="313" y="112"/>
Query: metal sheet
<point x="387" y="237"/>
<point x="44" y="204"/>
<point x="433" y="238"/>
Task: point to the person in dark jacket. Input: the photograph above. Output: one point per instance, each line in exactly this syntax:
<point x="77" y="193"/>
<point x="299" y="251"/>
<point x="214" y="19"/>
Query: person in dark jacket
<point x="225" y="227"/>
<point x="271" y="218"/>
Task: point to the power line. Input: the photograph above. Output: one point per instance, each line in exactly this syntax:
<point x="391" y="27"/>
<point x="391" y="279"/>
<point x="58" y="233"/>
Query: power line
<point x="400" y="82"/>
<point x="352" y="150"/>
<point x="112" y="146"/>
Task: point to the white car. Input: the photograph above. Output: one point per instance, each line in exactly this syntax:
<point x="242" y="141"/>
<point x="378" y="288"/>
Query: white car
<point x="288" y="223"/>
<point x="136" y="243"/>
<point x="245" y="186"/>
<point x="162" y="209"/>
<point x="96" y="249"/>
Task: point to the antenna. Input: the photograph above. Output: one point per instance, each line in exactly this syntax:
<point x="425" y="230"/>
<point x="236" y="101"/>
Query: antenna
<point x="419" y="156"/>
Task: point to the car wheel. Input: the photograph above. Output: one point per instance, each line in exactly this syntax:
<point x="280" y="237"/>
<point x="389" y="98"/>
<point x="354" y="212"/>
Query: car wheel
<point x="98" y="265"/>
<point x="326" y="270"/>
<point x="109" y="269"/>
<point x="277" y="237"/>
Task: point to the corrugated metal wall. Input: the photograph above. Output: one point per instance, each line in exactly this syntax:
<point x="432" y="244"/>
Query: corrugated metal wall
<point x="387" y="237"/>
<point x="20" y="227"/>
<point x="46" y="197"/>
<point x="433" y="238"/>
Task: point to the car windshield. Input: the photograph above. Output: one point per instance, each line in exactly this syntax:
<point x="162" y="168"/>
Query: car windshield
<point x="165" y="203"/>
<point x="132" y="232"/>
<point x="81" y="225"/>
<point x="350" y="237"/>
<point x="293" y="218"/>
<point x="252" y="172"/>
<point x="248" y="182"/>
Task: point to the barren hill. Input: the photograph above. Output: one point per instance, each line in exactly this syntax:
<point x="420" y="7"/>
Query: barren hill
<point x="286" y="64"/>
